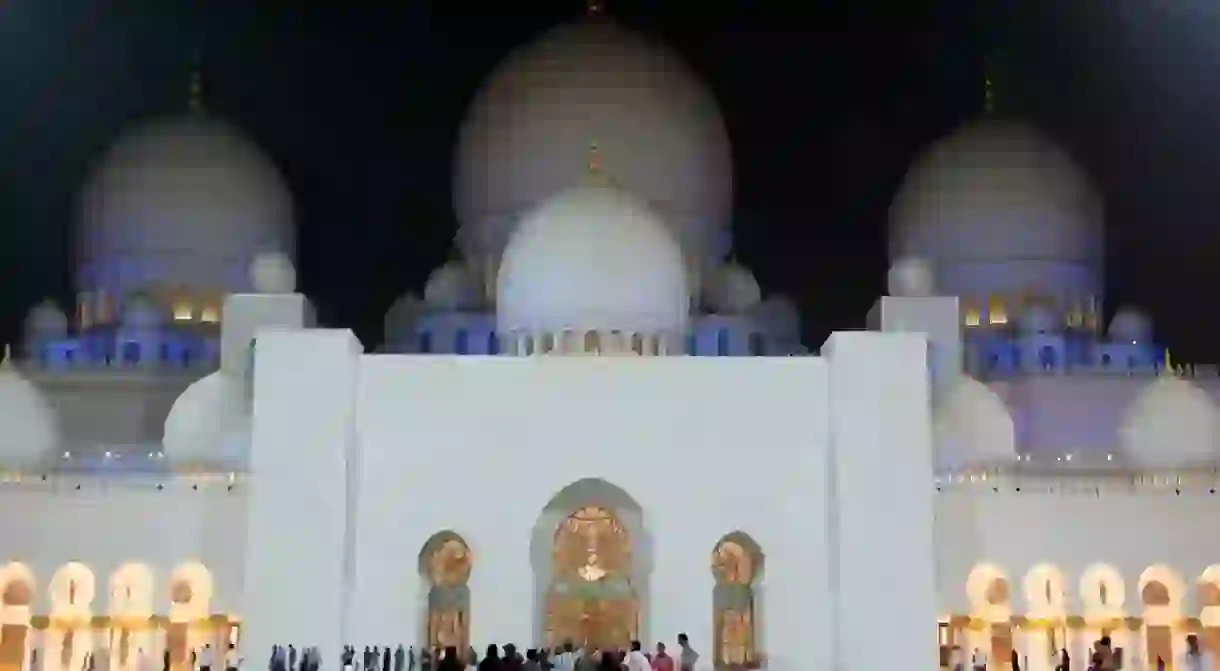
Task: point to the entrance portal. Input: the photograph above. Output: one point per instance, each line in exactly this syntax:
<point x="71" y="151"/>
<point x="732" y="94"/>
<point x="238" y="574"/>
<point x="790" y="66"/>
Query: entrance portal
<point x="591" y="601"/>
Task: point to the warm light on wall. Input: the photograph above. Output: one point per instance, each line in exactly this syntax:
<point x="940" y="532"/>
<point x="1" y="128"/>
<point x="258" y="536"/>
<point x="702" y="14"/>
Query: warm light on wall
<point x="183" y="312"/>
<point x="972" y="317"/>
<point x="997" y="314"/>
<point x="209" y="315"/>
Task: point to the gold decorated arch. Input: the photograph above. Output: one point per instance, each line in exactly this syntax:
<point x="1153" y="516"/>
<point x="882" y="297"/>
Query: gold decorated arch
<point x="445" y="563"/>
<point x="737" y="562"/>
<point x="591" y="601"/>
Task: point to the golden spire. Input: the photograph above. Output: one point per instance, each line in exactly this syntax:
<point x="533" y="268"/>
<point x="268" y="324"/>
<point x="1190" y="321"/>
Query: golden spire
<point x="196" y="100"/>
<point x="595" y="159"/>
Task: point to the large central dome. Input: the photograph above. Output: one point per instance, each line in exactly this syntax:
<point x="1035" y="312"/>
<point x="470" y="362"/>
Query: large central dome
<point x="660" y="130"/>
<point x="593" y="259"/>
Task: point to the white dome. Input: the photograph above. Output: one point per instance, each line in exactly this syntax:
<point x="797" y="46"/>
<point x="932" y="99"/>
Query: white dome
<point x="46" y="320"/>
<point x="1171" y="423"/>
<point x="999" y="195"/>
<point x="732" y="289"/>
<point x="452" y="287"/>
<point x="273" y="273"/>
<point x="972" y="426"/>
<point x="29" y="425"/>
<point x="660" y="131"/>
<point x="592" y="258"/>
<point x="142" y="311"/>
<point x="911" y="278"/>
<point x="780" y="317"/>
<point x="1130" y="325"/>
<point x="209" y="424"/>
<point x="184" y="203"/>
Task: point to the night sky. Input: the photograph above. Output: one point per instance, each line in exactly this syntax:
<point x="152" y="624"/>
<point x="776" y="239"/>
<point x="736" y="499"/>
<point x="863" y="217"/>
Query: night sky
<point x="826" y="106"/>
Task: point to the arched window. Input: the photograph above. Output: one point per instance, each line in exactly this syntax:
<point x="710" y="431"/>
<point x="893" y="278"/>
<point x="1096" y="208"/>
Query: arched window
<point x="493" y="343"/>
<point x="444" y="565"/>
<point x="131" y="352"/>
<point x="756" y="344"/>
<point x="722" y="342"/>
<point x="593" y="342"/>
<point x="528" y="349"/>
<point x="1105" y="360"/>
<point x="461" y="342"/>
<point x="425" y="342"/>
<point x="737" y="565"/>
<point x="692" y="347"/>
<point x="548" y="343"/>
<point x="637" y="344"/>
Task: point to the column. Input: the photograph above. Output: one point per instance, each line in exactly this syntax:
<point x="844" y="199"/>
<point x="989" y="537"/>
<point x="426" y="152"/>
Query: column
<point x="297" y="502"/>
<point x="881" y="468"/>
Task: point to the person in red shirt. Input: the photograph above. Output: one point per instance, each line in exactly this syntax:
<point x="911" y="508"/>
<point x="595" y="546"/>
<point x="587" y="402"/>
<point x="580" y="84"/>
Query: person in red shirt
<point x="662" y="661"/>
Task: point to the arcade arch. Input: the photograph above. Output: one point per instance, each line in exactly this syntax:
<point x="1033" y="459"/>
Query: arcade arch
<point x="737" y="565"/>
<point x="592" y="558"/>
<point x="1161" y="592"/>
<point x="445" y="564"/>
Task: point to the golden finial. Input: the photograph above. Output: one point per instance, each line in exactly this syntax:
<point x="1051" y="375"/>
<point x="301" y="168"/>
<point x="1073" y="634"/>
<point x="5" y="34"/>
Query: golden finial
<point x="594" y="8"/>
<point x="1168" y="360"/>
<point x="595" y="159"/>
<point x="196" y="100"/>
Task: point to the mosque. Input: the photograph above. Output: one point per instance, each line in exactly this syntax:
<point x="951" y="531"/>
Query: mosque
<point x="189" y="460"/>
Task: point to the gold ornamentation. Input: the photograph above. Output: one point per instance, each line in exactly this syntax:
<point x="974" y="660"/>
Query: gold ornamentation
<point x="449" y="564"/>
<point x="732" y="564"/>
<point x="590" y="545"/>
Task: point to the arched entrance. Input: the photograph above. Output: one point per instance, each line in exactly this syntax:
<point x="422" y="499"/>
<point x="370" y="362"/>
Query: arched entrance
<point x="592" y="559"/>
<point x="445" y="563"/>
<point x="591" y="601"/>
<point x="17" y="588"/>
<point x="737" y="564"/>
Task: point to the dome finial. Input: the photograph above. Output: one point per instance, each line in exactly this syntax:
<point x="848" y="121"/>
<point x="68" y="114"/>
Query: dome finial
<point x="595" y="159"/>
<point x="196" y="87"/>
<point x="988" y="93"/>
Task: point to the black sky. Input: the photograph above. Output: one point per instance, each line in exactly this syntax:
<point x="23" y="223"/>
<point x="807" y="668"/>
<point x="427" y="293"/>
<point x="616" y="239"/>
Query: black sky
<point x="826" y="103"/>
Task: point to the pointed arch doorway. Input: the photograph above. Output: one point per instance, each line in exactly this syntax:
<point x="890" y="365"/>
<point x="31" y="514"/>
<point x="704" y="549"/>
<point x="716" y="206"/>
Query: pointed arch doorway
<point x="592" y="558"/>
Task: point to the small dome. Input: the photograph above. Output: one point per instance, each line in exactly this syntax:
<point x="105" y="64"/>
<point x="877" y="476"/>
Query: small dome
<point x="911" y="277"/>
<point x="592" y="258"/>
<point x="996" y="207"/>
<point x="732" y="289"/>
<point x="182" y="203"/>
<point x="452" y="287"/>
<point x="1171" y="423"/>
<point x="31" y="425"/>
<point x="1130" y="325"/>
<point x="46" y="320"/>
<point x="1037" y="318"/>
<point x="973" y="427"/>
<point x="779" y="317"/>
<point x="209" y="424"/>
<point x="662" y="132"/>
<point x="142" y="311"/>
<point x="273" y="273"/>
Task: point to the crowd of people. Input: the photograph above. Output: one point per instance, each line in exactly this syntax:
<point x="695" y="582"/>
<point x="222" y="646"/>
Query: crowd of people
<point x="1103" y="657"/>
<point x="567" y="657"/>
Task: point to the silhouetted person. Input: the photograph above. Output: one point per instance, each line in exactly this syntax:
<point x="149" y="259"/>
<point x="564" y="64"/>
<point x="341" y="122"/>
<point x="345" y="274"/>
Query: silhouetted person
<point x="688" y="657"/>
<point x="491" y="659"/>
<point x="511" y="659"/>
<point x="385" y="659"/>
<point x="1016" y="661"/>
<point x="450" y="661"/>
